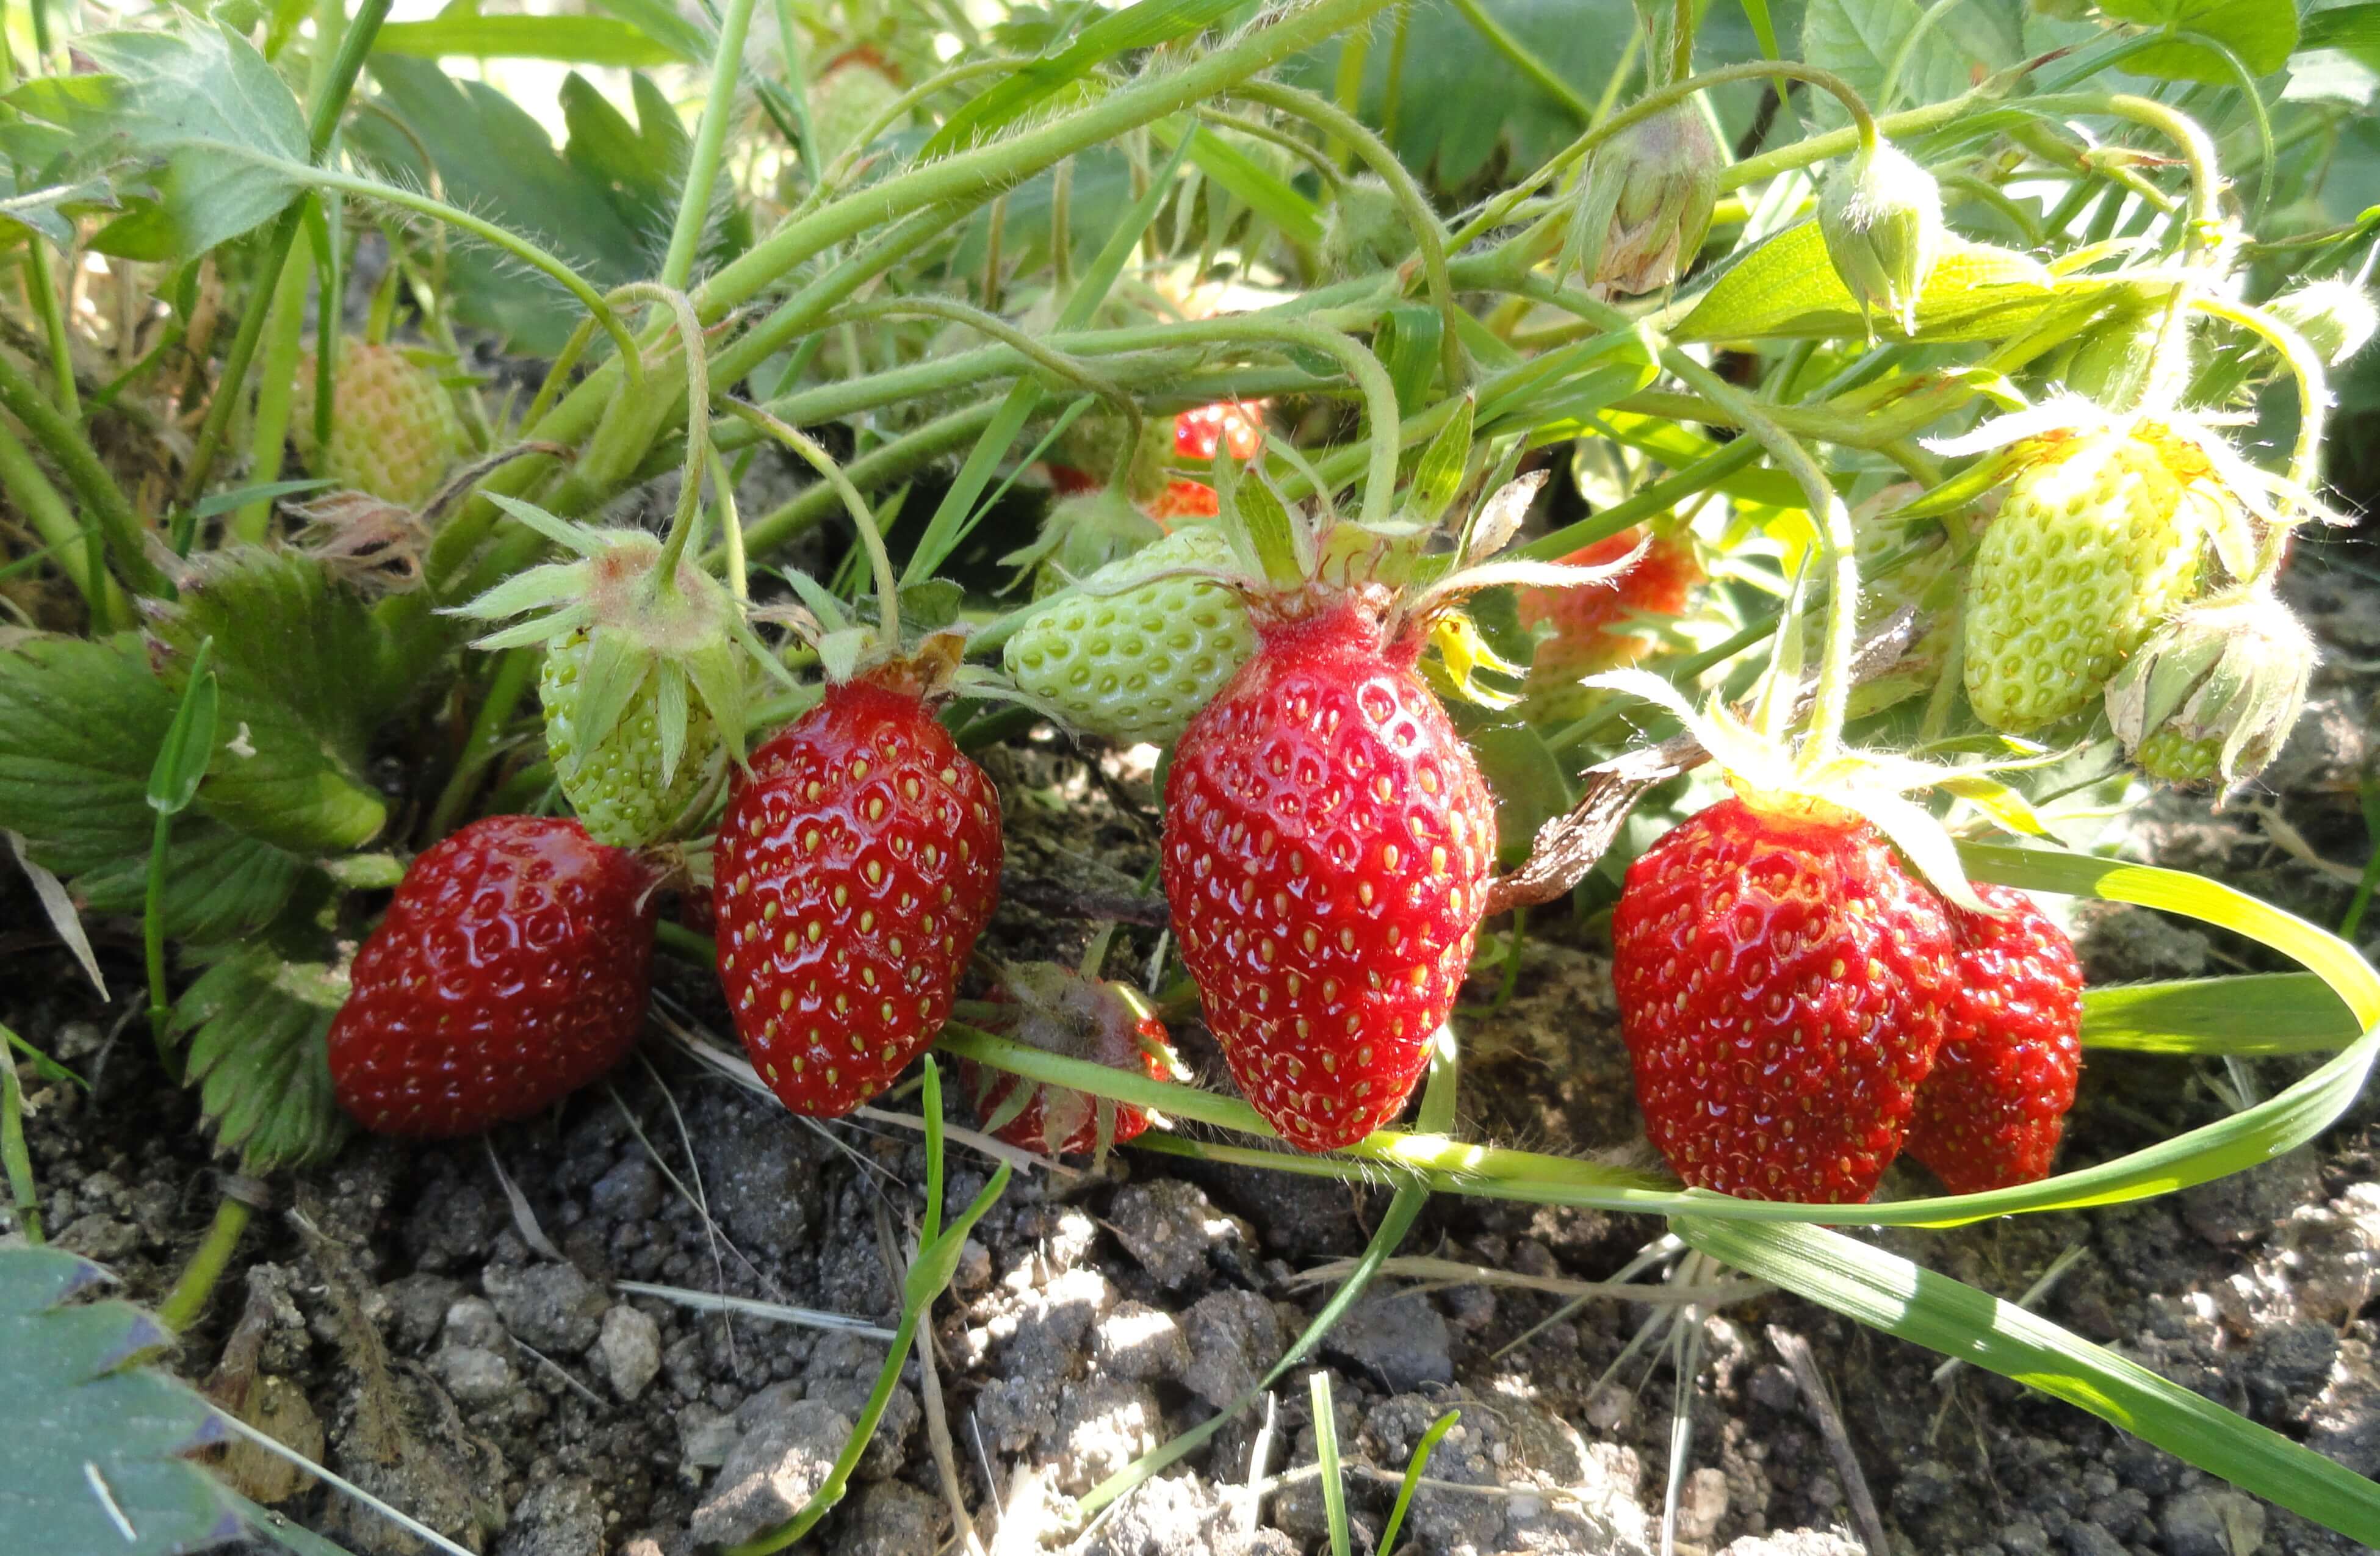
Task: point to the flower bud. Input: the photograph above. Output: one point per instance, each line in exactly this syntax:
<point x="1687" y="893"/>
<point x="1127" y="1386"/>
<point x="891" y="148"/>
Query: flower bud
<point x="1364" y="229"/>
<point x="1882" y="220"/>
<point x="2215" y="691"/>
<point x="2337" y="317"/>
<point x="1646" y="203"/>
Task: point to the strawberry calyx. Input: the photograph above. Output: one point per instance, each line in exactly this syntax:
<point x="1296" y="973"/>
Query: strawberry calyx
<point x="635" y="620"/>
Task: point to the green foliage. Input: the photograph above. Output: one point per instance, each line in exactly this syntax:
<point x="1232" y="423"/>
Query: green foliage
<point x="2260" y="33"/>
<point x="200" y="110"/>
<point x="256" y="1023"/>
<point x="95" y="1456"/>
<point x="80" y="725"/>
<point x="1788" y="288"/>
<point x="309" y="677"/>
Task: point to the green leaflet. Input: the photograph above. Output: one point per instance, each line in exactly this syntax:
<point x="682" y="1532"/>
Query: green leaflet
<point x="257" y="1027"/>
<point x="2261" y="33"/>
<point x="1787" y="289"/>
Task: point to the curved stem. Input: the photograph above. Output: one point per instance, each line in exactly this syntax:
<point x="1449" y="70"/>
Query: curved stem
<point x="187" y="1300"/>
<point x="1042" y="354"/>
<point x="2305" y="365"/>
<point x="63" y="443"/>
<point x="880" y="561"/>
<point x="1864" y="131"/>
<point x="698" y="421"/>
<point x="1833" y="522"/>
<point x="702" y="159"/>
<point x="893" y="112"/>
<point x="1379" y="390"/>
<point x="2205" y="180"/>
<point x="731" y="528"/>
<point x="487" y="232"/>
<point x="1428" y="231"/>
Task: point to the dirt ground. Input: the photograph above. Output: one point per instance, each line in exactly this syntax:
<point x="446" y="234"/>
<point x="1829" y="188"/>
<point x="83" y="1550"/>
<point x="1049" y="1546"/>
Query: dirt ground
<point x="391" y="1311"/>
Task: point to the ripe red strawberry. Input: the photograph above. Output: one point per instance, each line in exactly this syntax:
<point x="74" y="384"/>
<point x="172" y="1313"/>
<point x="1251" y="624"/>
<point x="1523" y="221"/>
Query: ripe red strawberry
<point x="854" y="868"/>
<point x="1782" y="984"/>
<point x="1991" y="1114"/>
<point x="512" y="969"/>
<point x="1061" y="1012"/>
<point x="1591" y="626"/>
<point x="1328" y="840"/>
<point x="1235" y="426"/>
<point x="1185" y="499"/>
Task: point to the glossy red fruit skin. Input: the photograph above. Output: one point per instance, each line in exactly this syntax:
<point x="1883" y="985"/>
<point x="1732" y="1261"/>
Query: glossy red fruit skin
<point x="1991" y="1114"/>
<point x="511" y="969"/>
<point x="853" y="871"/>
<point x="1589" y="624"/>
<point x="1327" y="841"/>
<point x="1235" y="426"/>
<point x="1783" y="985"/>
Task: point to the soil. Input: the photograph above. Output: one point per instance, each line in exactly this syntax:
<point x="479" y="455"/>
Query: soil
<point x="475" y="1364"/>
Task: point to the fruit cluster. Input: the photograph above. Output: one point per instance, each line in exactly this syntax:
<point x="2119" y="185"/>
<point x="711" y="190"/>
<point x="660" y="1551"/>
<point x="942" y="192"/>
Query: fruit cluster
<point x="1800" y="1003"/>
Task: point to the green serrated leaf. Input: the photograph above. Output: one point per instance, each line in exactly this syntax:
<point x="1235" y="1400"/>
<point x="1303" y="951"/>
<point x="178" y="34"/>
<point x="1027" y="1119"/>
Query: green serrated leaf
<point x="80" y="725"/>
<point x="2261" y="33"/>
<point x="200" y="104"/>
<point x="1788" y="289"/>
<point x="258" y="1027"/>
<point x="308" y="676"/>
<point x="94" y="1456"/>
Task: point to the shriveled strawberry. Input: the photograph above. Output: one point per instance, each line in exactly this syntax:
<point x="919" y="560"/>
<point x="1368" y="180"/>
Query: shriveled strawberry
<point x="1991" y="1112"/>
<point x="854" y="868"/>
<point x="1060" y="1011"/>
<point x="1782" y="984"/>
<point x="512" y="968"/>
<point x="1328" y="840"/>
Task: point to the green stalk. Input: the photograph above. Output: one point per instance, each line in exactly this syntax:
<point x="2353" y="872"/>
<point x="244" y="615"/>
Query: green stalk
<point x="42" y="286"/>
<point x="105" y="501"/>
<point x="14" y="1158"/>
<point x="702" y="162"/>
<point x="187" y="1301"/>
<point x="80" y="552"/>
<point x="321" y="123"/>
<point x="274" y="394"/>
<point x="514" y="669"/>
<point x="1428" y="231"/>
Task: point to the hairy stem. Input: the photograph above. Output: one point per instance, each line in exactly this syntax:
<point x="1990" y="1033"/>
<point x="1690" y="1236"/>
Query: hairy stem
<point x="710" y="136"/>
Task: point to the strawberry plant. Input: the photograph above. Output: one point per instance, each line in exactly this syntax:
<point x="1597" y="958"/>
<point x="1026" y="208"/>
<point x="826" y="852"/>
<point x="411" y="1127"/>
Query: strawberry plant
<point x="1804" y="489"/>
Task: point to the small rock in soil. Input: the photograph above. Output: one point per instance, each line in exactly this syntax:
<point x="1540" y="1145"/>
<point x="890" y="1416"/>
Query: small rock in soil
<point x="103" y="1238"/>
<point x="1169" y="1226"/>
<point x="770" y="1473"/>
<point x="474" y="1375"/>
<point x="1169" y="1515"/>
<point x="560" y="1518"/>
<point x="763" y="1179"/>
<point x="2208" y="1523"/>
<point x="1233" y="1337"/>
<point x="706" y="1436"/>
<point x="2248" y="1206"/>
<point x="1103" y="1425"/>
<point x="2344" y="1423"/>
<point x="630" y="1348"/>
<point x="2121" y="944"/>
<point x="472" y="1320"/>
<point x="2090" y="1540"/>
<point x="894" y="1518"/>
<point x="841" y="1375"/>
<point x="1398" y="1337"/>
<point x="1140" y="1343"/>
<point x="1701" y="1504"/>
<point x="417" y="1306"/>
<point x="551" y="1307"/>
<point x="1440" y="1520"/>
<point x="1799" y="1542"/>
<point x="631" y="1191"/>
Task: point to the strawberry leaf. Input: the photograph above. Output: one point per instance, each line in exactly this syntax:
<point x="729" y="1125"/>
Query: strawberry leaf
<point x="307" y="678"/>
<point x="1787" y="288"/>
<point x="259" y="1027"/>
<point x="94" y="1460"/>
<point x="80" y="725"/>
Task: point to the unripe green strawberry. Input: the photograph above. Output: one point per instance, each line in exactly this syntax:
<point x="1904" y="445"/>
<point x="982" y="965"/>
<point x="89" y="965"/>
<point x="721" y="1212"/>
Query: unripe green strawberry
<point x="1088" y="451"/>
<point x="1645" y="204"/>
<point x="2097" y="542"/>
<point x="2215" y="691"/>
<point x="393" y="430"/>
<point x="1364" y="229"/>
<point x="852" y="93"/>
<point x="1882" y="220"/>
<point x="1136" y="664"/>
<point x="624" y="789"/>
<point x="1082" y="534"/>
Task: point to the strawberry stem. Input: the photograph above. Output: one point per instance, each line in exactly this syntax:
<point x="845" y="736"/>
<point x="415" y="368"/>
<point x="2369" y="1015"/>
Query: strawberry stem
<point x="880" y="562"/>
<point x="702" y="160"/>
<point x="697" y="424"/>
